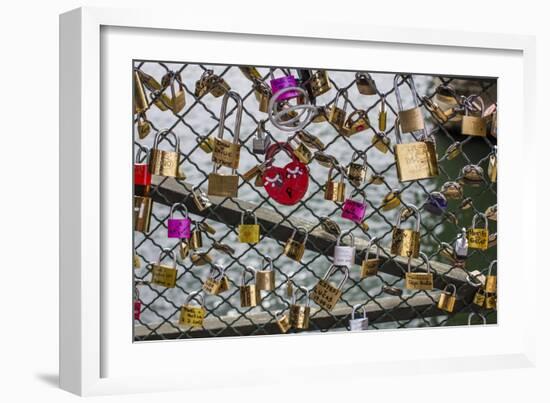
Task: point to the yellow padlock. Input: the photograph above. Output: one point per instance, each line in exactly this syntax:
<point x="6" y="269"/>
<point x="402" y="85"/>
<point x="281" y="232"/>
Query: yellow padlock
<point x="192" y="315"/>
<point x="478" y="238"/>
<point x="249" y="233"/>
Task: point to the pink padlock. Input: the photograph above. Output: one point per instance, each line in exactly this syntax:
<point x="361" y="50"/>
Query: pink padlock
<point x="286" y="81"/>
<point x="137" y="305"/>
<point x="179" y="227"/>
<point x="355" y="210"/>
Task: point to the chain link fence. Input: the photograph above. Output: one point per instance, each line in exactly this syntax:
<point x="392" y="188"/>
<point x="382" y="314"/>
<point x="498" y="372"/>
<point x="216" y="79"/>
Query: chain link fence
<point x="159" y="307"/>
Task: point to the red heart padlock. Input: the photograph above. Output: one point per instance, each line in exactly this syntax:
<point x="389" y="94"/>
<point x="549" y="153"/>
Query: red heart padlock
<point x="285" y="185"/>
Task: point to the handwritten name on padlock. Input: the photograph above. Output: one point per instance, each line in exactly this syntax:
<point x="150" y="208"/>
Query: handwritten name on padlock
<point x="192" y="315"/>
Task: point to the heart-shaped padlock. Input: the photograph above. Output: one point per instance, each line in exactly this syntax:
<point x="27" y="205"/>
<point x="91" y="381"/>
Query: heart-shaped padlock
<point x="285" y="185"/>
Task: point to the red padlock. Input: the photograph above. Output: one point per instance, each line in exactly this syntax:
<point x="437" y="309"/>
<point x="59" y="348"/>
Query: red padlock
<point x="286" y="185"/>
<point x="137" y="305"/>
<point x="142" y="175"/>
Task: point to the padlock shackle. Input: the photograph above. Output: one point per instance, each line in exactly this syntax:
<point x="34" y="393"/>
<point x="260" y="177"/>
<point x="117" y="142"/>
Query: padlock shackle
<point x="162" y="135"/>
<point x="415" y="212"/>
<point x="247" y="213"/>
<point x="287" y="125"/>
<point x="344" y="92"/>
<point x="397" y="129"/>
<point x="260" y="129"/>
<point x="342" y="235"/>
<point x="491" y="265"/>
<point x="483" y="217"/>
<point x="141" y="149"/>
<point x="406" y="79"/>
<point x="167" y="252"/>
<point x="304" y="230"/>
<point x="453" y="293"/>
<point x="370" y="243"/>
<point x="470" y="104"/>
<point x="247" y="269"/>
<point x="469" y="280"/>
<point x="286" y="72"/>
<point x="218" y="268"/>
<point x="237" y="128"/>
<point x="197" y="296"/>
<point x="269" y="265"/>
<point x="179" y="206"/>
<point x="423" y="257"/>
<point x="476" y="314"/>
<point x="278" y="146"/>
<point x="340" y="170"/>
<point x="304" y="290"/>
<point x="355" y="308"/>
<point x="333" y="269"/>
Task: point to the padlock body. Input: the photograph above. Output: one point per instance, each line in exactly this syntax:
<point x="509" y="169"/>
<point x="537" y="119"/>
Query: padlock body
<point x="335" y="191"/>
<point x="354" y="210"/>
<point x="337" y="116"/>
<point x="369" y="267"/>
<point x="294" y="249"/>
<point x="140" y="100"/>
<point x="178" y="102"/>
<point x="479" y="298"/>
<point x="478" y="238"/>
<point x="283" y="323"/>
<point x="201" y="202"/>
<point x="325" y="295"/>
<point x="446" y="301"/>
<point x="164" y="163"/>
<point x="137" y="309"/>
<point x="179" y="228"/>
<point x="183" y="250"/>
<point x="411" y="120"/>
<point x="299" y="316"/>
<point x="492" y="169"/>
<point x="359" y="324"/>
<point x="319" y="83"/>
<point x="211" y="286"/>
<point x="143" y="207"/>
<point x="207" y="144"/>
<point x="164" y="275"/>
<point x="142" y="176"/>
<point x="219" y="88"/>
<point x="196" y="240"/>
<point x="226" y="153"/>
<point x="344" y="255"/>
<point x="491" y="301"/>
<point x="259" y="145"/>
<point x="303" y="153"/>
<point x="354" y="125"/>
<point x="250" y="295"/>
<point x="191" y="315"/>
<point x="419" y="281"/>
<point x="416" y="161"/>
<point x="223" y="185"/>
<point x="405" y="242"/>
<point x="249" y="233"/>
<point x="357" y="173"/>
<point x="365" y="86"/>
<point x="279" y="83"/>
<point x="265" y="280"/>
<point x="381" y="143"/>
<point x="491" y="284"/>
<point x="474" y="126"/>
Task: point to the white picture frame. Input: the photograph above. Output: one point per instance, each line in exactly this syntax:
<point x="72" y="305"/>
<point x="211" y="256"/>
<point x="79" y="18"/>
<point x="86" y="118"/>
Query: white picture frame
<point x="96" y="354"/>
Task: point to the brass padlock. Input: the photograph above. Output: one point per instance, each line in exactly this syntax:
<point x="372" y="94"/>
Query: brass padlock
<point x="310" y="140"/>
<point x="473" y="125"/>
<point x="447" y="299"/>
<point x="356" y="122"/>
<point x="143" y="207"/>
<point x="318" y="83"/>
<point x="195" y="242"/>
<point x="452" y="190"/>
<point x="382" y="115"/>
<point x="416" y="160"/>
<point x="223" y="185"/>
<point x="211" y="83"/>
<point x="478" y="238"/>
<point x="183" y="249"/>
<point x="265" y="278"/>
<point x="206" y="144"/>
<point x="391" y="200"/>
<point x="283" y="321"/>
<point x="365" y="83"/>
<point x="492" y="166"/>
<point x="163" y="162"/>
<point x="299" y="314"/>
<point x="411" y="120"/>
<point x="263" y="94"/>
<point x="227" y="153"/>
<point x="250" y="72"/>
<point x="360" y="323"/>
<point x="158" y="97"/>
<point x="369" y="265"/>
<point x="136" y="261"/>
<point x="406" y="242"/>
<point x="324" y="293"/>
<point x="335" y="191"/>
<point x="249" y="293"/>
<point x="294" y="249"/>
<point x="453" y="151"/>
<point x="357" y="173"/>
<point x="419" y="281"/>
<point x="200" y="199"/>
<point x="479" y="297"/>
<point x="491" y="212"/>
<point x="435" y="110"/>
<point x="324" y="159"/>
<point x="213" y="281"/>
<point x="320" y="115"/>
<point x="177" y="99"/>
<point x="143" y="125"/>
<point x="249" y="233"/>
<point x="472" y="175"/>
<point x="165" y="276"/>
<point x="140" y="99"/>
<point x="301" y="151"/>
<point x="200" y="258"/>
<point x="337" y="116"/>
<point x="491" y="280"/>
<point x="490" y="301"/>
<point x="381" y="142"/>
<point x="192" y="315"/>
<point x="478" y="315"/>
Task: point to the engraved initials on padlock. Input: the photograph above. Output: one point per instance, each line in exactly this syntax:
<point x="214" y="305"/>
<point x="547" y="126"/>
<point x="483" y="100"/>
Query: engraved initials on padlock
<point x="165" y="275"/>
<point x="419" y="281"/>
<point x="369" y="266"/>
<point x="249" y="293"/>
<point x="406" y="242"/>
<point x="344" y="255"/>
<point x="325" y="294"/>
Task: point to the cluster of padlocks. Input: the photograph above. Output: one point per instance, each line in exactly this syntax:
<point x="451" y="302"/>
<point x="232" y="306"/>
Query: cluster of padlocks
<point x="289" y="103"/>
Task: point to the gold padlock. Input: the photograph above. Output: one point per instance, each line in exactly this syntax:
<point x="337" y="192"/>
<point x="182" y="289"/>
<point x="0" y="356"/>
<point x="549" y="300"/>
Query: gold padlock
<point x="391" y="200"/>
<point x="452" y="190"/>
<point x="435" y="110"/>
<point x="223" y="185"/>
<point x="195" y="242"/>
<point x="265" y="278"/>
<point x="299" y="314"/>
<point x="140" y="99"/>
<point x="472" y="175"/>
<point x="416" y="160"/>
<point x="227" y="153"/>
<point x="491" y="280"/>
<point x="249" y="233"/>
<point x="206" y="144"/>
<point x="453" y="151"/>
<point x="250" y="72"/>
<point x="163" y="162"/>
<point x="159" y="98"/>
<point x="192" y="315"/>
<point x="200" y="199"/>
<point x="263" y="94"/>
<point x="143" y="207"/>
<point x="357" y="173"/>
<point x="301" y="151"/>
<point x="310" y="140"/>
<point x="474" y="125"/>
<point x="447" y="299"/>
<point x="200" y="258"/>
<point x="490" y="301"/>
<point x="419" y="281"/>
<point x="143" y="125"/>
<point x="478" y="238"/>
<point x="478" y="315"/>
<point x="177" y="100"/>
<point x="165" y="276"/>
<point x="479" y="297"/>
<point x="320" y="115"/>
<point x="183" y="249"/>
<point x="492" y="166"/>
<point x="369" y="266"/>
<point x="213" y="283"/>
<point x="249" y="293"/>
<point x="381" y="142"/>
<point x="211" y="83"/>
<point x="335" y="191"/>
<point x="324" y="293"/>
<point x="411" y="120"/>
<point x="406" y="242"/>
<point x="318" y="83"/>
<point x="382" y="115"/>
<point x="337" y="116"/>
<point x="365" y="83"/>
<point x="283" y="321"/>
<point x="356" y="122"/>
<point x="294" y="249"/>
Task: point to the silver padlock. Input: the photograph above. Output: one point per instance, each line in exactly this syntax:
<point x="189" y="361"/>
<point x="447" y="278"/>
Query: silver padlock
<point x="461" y="246"/>
<point x="359" y="323"/>
<point x="344" y="255"/>
<point x="262" y="140"/>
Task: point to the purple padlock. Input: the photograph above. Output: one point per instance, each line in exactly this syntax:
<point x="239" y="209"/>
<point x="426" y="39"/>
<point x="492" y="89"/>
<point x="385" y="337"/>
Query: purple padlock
<point x="179" y="227"/>
<point x="354" y="210"/>
<point x="286" y="81"/>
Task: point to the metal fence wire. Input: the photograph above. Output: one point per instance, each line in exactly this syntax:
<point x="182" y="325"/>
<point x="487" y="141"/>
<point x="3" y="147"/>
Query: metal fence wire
<point x="171" y="103"/>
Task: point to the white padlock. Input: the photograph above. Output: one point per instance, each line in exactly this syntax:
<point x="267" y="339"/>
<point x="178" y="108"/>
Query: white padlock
<point x="359" y="323"/>
<point x="344" y="255"/>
